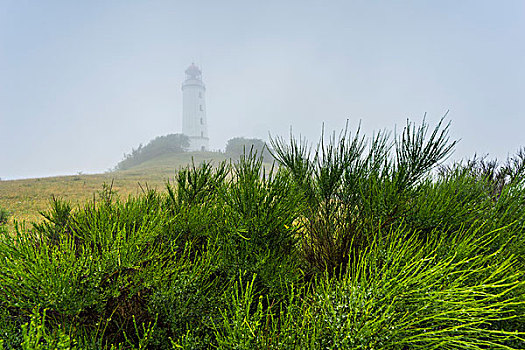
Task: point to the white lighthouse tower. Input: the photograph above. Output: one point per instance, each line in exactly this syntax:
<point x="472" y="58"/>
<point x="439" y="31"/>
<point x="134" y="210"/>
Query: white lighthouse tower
<point x="194" y="124"/>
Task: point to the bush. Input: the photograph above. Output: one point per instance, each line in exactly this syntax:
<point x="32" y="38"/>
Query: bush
<point x="400" y="294"/>
<point x="4" y="216"/>
<point x="357" y="245"/>
<point x="86" y="266"/>
<point x="238" y="146"/>
<point x="172" y="143"/>
<point x="350" y="185"/>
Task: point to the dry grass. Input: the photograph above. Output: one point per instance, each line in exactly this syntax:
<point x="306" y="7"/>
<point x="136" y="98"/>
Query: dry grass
<point x="26" y="198"/>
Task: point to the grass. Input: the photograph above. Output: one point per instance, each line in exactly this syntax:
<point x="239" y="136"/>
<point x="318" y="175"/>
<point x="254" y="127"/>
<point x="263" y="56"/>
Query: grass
<point x="26" y="198"/>
<point x="356" y="244"/>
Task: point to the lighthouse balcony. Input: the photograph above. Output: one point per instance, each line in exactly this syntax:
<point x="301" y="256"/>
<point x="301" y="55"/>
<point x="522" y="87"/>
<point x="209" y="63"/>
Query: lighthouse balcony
<point x="193" y="82"/>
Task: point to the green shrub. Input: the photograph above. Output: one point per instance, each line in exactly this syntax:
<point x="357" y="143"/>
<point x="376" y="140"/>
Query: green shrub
<point x="259" y="208"/>
<point x="190" y="298"/>
<point x="357" y="245"/>
<point x="4" y="216"/>
<point x="94" y="264"/>
<point x="400" y="294"/>
<point x="238" y="146"/>
<point x="350" y="185"/>
<point x="37" y="337"/>
<point x="11" y="327"/>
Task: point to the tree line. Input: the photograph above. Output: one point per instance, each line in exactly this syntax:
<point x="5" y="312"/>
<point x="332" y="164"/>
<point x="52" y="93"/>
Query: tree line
<point x="180" y="143"/>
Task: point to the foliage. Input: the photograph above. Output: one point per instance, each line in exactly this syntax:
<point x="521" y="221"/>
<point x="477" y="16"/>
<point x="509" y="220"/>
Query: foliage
<point x="4" y="216"/>
<point x="351" y="184"/>
<point x="37" y="337"/>
<point x="496" y="176"/>
<point x="238" y="146"/>
<point x="400" y="294"/>
<point x="172" y="143"/>
<point x="355" y="244"/>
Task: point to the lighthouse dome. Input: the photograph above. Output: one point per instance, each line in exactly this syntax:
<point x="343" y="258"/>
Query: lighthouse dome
<point x="193" y="72"/>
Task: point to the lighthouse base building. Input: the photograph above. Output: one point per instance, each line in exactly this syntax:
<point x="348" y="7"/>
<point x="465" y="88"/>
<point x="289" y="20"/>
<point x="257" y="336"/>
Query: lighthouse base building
<point x="194" y="123"/>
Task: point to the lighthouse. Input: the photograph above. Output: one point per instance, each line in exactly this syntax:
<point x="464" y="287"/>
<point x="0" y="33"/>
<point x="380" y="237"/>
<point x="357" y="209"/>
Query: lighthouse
<point x="194" y="124"/>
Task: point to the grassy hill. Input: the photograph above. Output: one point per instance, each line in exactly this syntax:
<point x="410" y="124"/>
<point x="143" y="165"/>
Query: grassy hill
<point x="27" y="197"/>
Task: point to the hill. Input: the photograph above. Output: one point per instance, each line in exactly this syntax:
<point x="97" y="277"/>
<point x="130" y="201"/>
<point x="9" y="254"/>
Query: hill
<point x="26" y="198"/>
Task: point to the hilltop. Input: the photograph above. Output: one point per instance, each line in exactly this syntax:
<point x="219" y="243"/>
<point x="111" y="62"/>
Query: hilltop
<point x="149" y="166"/>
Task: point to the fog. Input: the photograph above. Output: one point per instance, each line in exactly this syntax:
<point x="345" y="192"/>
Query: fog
<point x="81" y="83"/>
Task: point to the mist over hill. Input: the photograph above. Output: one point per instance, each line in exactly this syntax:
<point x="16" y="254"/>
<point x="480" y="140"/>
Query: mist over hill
<point x="178" y="144"/>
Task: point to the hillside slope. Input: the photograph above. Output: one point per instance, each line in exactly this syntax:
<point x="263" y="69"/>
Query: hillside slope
<point x="26" y="198"/>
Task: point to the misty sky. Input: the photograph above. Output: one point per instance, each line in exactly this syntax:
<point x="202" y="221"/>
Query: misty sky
<point x="82" y="82"/>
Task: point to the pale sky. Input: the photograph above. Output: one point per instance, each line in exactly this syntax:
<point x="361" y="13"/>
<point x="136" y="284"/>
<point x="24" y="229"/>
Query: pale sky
<point x="82" y="82"/>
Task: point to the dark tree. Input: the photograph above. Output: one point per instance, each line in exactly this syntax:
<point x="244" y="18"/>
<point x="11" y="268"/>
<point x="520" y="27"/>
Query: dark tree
<point x="238" y="145"/>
